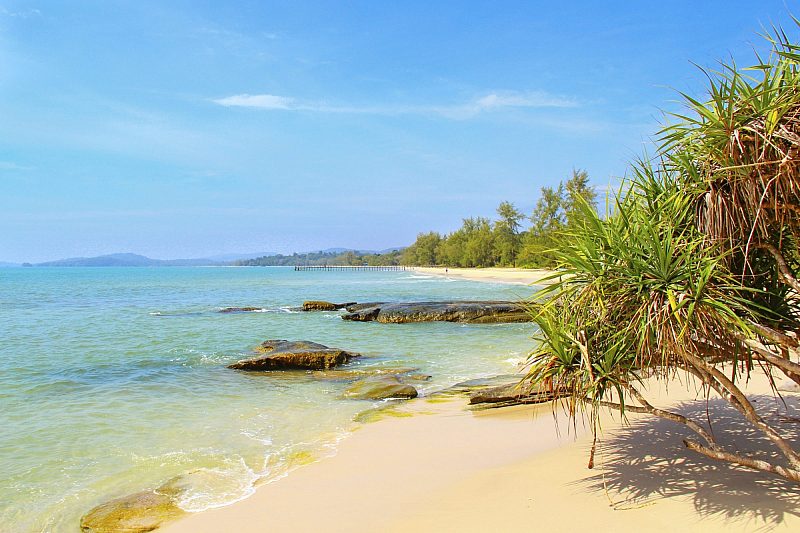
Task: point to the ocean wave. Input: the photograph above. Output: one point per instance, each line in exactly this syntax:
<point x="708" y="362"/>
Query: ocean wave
<point x="209" y="488"/>
<point x="516" y="361"/>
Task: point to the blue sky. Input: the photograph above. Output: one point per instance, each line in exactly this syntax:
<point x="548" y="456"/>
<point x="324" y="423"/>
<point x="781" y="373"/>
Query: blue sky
<point x="187" y="129"/>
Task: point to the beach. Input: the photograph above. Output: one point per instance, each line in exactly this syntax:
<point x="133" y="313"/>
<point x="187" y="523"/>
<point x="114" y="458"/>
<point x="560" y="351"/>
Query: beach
<point x="519" y="276"/>
<point x="441" y="466"/>
<point x="508" y="469"/>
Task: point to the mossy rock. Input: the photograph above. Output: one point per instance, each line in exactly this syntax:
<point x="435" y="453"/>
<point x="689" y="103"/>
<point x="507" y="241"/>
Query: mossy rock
<point x="136" y="513"/>
<point x="381" y="387"/>
<point x="294" y="355"/>
<point x="321" y="305"/>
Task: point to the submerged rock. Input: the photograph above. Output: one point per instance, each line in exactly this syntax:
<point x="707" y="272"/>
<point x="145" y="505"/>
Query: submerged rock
<point x="473" y="312"/>
<point x="320" y="305"/>
<point x="297" y="355"/>
<point x="136" y="513"/>
<point x="239" y="309"/>
<point x="355" y="374"/>
<point x="380" y="387"/>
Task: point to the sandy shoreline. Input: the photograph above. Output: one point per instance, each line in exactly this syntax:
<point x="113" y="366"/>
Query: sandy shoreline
<point x="520" y="276"/>
<point x="511" y="469"/>
<point x="447" y="468"/>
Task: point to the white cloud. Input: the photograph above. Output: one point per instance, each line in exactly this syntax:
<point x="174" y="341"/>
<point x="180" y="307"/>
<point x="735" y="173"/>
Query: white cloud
<point x="28" y="13"/>
<point x="490" y="102"/>
<point x="531" y="99"/>
<point x="259" y="101"/>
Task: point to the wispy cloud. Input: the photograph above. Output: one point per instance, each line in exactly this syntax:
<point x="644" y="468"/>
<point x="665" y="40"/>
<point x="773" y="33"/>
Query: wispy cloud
<point x="10" y="165"/>
<point x="490" y="102"/>
<point x="24" y="14"/>
<point x="259" y="101"/>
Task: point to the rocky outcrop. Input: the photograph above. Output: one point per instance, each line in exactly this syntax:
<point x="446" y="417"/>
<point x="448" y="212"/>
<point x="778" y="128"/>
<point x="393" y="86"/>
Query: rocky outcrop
<point x="511" y="394"/>
<point x="380" y="387"/>
<point x="473" y="312"/>
<point x="355" y="308"/>
<point x="320" y="305"/>
<point x="239" y="309"/>
<point x="294" y="355"/>
<point x="136" y="513"/>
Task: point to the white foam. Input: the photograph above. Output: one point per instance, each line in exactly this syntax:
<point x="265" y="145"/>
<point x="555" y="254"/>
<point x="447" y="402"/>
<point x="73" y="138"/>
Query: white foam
<point x="209" y="488"/>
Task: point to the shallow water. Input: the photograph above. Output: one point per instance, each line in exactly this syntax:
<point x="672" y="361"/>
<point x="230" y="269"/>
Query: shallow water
<point x="113" y="380"/>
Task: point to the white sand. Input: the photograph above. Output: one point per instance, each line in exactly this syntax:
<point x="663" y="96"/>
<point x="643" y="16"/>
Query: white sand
<point x="510" y="470"/>
<point x="522" y="276"/>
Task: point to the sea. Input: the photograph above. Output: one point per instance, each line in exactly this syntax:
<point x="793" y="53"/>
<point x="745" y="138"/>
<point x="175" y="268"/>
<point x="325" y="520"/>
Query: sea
<point x="114" y="380"/>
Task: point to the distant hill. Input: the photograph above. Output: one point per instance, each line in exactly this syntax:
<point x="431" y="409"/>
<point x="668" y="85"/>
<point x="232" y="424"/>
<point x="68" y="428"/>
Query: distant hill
<point x="227" y="258"/>
<point x="6" y="264"/>
<point x="334" y="255"/>
<point x="126" y="260"/>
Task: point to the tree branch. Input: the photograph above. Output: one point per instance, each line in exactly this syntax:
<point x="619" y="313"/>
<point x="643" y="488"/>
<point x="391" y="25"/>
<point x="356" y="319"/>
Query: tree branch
<point x="791" y="369"/>
<point x="743" y="405"/>
<point x="756" y="464"/>
<point x="774" y="335"/>
<point x="783" y="266"/>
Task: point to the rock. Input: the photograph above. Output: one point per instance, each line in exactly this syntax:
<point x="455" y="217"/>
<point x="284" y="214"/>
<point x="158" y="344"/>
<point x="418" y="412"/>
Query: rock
<point x="511" y="394"/>
<point x="354" y="308"/>
<point x="239" y="309"/>
<point x="355" y="374"/>
<point x="473" y="312"/>
<point x="319" y="305"/>
<point x="380" y="387"/>
<point x="297" y="355"/>
<point x="135" y="513"/>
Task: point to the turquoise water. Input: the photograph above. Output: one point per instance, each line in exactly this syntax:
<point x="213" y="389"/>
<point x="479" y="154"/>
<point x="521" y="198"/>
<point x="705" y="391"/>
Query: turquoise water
<point x="113" y="380"/>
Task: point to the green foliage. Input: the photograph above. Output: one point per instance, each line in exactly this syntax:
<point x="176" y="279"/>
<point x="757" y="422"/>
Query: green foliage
<point x="480" y="242"/>
<point x="694" y="268"/>
<point x="347" y="258"/>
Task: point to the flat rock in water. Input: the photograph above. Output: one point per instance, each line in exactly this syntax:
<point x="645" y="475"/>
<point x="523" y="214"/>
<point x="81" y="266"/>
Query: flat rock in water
<point x="320" y="305"/>
<point x="355" y="374"/>
<point x="355" y="308"/>
<point x="294" y="355"/>
<point x="239" y="309"/>
<point x="380" y="387"/>
<point x="473" y="312"/>
<point x="511" y="394"/>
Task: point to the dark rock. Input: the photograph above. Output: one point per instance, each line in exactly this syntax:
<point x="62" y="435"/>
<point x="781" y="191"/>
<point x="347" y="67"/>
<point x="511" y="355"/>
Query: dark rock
<point x="380" y="387"/>
<point x="511" y="394"/>
<point x="239" y="309"/>
<point x="473" y="312"/>
<point x="319" y="305"/>
<point x="303" y="355"/>
<point x="355" y="308"/>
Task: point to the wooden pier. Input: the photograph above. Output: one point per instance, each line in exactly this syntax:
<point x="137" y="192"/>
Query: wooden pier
<point x="343" y="268"/>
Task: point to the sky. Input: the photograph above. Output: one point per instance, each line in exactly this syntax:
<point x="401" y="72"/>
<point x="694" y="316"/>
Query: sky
<point x="189" y="129"/>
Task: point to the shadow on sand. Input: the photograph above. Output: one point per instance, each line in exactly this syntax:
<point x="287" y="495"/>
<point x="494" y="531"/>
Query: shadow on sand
<point x="647" y="460"/>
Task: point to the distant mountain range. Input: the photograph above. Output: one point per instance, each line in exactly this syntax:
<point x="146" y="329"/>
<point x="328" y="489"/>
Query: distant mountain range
<point x="136" y="260"/>
<point x="126" y="260"/>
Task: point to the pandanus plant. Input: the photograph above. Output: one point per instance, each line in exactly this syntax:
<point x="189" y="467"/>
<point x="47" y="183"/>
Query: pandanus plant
<point x="693" y="268"/>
